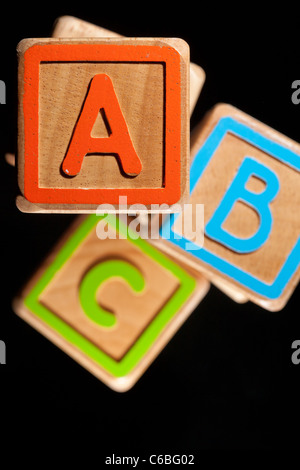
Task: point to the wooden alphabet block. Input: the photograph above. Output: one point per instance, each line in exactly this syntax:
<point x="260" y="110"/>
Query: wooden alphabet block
<point x="100" y="119"/>
<point x="109" y="299"/>
<point x="247" y="176"/>
<point x="71" y="27"/>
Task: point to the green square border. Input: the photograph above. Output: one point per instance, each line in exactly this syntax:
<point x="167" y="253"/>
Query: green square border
<point x="148" y="337"/>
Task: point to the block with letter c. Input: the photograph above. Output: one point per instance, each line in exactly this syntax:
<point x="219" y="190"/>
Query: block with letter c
<point x="112" y="304"/>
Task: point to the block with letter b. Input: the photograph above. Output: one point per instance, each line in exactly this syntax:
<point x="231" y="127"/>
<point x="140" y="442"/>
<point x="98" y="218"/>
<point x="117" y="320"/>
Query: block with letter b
<point x="109" y="299"/>
<point x="101" y="119"/>
<point x="247" y="175"/>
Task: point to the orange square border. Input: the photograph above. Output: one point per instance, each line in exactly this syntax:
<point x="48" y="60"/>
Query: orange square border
<point x="167" y="55"/>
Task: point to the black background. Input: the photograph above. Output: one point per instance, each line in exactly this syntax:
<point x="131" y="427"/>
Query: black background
<point x="226" y="380"/>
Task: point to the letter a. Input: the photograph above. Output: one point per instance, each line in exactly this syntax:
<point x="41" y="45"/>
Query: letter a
<point x="101" y="95"/>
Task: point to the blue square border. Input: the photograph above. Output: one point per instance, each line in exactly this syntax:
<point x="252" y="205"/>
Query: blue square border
<point x="200" y="162"/>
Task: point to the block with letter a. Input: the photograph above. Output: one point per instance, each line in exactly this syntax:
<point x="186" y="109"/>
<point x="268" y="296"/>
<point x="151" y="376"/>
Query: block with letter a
<point x="101" y="119"/>
<point x="247" y="175"/>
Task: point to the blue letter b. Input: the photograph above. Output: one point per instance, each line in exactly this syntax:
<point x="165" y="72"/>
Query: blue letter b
<point x="258" y="201"/>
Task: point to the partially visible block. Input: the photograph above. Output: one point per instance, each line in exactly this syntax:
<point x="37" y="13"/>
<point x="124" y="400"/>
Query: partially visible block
<point x="109" y="300"/>
<point x="197" y="79"/>
<point x="71" y="27"/>
<point x="101" y="119"/>
<point x="247" y="176"/>
<point x="10" y="158"/>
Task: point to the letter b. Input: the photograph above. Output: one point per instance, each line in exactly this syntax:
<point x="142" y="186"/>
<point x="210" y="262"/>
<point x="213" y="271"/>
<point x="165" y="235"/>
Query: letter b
<point x="258" y="201"/>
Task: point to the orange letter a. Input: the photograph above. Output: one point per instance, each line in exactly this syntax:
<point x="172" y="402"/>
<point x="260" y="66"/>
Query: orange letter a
<point x="101" y="95"/>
